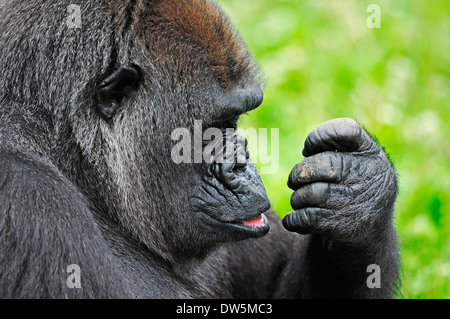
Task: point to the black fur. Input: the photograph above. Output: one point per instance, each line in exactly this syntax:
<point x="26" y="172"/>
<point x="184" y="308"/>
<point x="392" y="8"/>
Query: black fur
<point x="86" y="175"/>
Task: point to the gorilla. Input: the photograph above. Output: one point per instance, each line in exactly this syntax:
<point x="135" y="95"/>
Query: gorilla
<point x="86" y="115"/>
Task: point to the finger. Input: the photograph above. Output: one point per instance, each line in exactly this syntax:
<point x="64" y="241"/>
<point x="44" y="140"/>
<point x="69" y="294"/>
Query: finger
<point x="306" y="220"/>
<point x="322" y="195"/>
<point x="323" y="167"/>
<point x="342" y="135"/>
<point x="311" y="195"/>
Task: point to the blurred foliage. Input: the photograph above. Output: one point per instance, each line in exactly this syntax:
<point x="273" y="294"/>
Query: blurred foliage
<point x="321" y="61"/>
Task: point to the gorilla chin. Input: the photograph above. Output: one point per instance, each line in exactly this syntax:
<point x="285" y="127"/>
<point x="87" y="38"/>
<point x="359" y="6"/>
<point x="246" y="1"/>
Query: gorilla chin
<point x="229" y="196"/>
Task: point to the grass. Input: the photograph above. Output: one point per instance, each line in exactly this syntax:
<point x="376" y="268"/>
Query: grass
<point x="321" y="61"/>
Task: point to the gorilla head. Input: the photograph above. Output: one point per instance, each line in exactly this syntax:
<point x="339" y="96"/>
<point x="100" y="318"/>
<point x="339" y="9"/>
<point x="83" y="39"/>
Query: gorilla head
<point x="108" y="95"/>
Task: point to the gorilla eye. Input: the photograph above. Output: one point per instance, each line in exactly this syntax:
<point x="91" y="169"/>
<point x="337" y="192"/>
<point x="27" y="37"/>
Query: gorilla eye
<point x="114" y="89"/>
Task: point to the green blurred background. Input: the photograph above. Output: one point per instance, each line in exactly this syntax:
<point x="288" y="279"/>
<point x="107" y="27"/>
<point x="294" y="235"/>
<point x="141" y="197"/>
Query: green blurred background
<point x="321" y="61"/>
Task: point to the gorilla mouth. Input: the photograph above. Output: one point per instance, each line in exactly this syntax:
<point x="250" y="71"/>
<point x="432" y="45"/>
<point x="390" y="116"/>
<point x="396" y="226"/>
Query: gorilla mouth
<point x="259" y="221"/>
<point x="254" y="227"/>
<point x="230" y="194"/>
<point x="259" y="225"/>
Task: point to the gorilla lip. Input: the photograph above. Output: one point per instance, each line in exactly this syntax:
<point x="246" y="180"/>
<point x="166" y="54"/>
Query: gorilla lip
<point x="256" y="226"/>
<point x="257" y="221"/>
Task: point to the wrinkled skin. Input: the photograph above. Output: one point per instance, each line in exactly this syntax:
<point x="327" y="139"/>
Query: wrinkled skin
<point x="230" y="192"/>
<point x="87" y="175"/>
<point x="345" y="177"/>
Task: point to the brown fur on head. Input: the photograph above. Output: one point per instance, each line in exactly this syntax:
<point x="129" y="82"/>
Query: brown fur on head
<point x="196" y="33"/>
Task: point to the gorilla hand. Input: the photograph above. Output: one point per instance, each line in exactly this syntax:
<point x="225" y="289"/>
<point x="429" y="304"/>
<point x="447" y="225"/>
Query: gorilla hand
<point x="345" y="187"/>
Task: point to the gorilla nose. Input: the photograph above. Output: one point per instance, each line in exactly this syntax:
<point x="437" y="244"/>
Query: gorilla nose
<point x="252" y="97"/>
<point x="240" y="100"/>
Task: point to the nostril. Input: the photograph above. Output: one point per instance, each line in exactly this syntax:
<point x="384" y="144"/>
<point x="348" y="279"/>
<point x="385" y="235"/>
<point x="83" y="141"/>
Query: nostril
<point x="240" y="164"/>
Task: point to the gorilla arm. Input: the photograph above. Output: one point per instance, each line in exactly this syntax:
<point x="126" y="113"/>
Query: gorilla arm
<point x="344" y="195"/>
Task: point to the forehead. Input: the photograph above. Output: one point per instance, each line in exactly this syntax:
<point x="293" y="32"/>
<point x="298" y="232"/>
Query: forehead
<point x="196" y="34"/>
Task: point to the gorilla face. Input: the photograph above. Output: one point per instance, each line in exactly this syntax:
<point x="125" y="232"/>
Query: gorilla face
<point x="176" y="64"/>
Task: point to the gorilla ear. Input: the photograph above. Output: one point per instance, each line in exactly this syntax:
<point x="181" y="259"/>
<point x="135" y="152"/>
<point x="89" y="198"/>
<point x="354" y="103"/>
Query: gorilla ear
<point x="113" y="89"/>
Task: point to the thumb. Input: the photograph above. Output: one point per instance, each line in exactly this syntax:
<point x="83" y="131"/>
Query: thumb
<point x="342" y="135"/>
